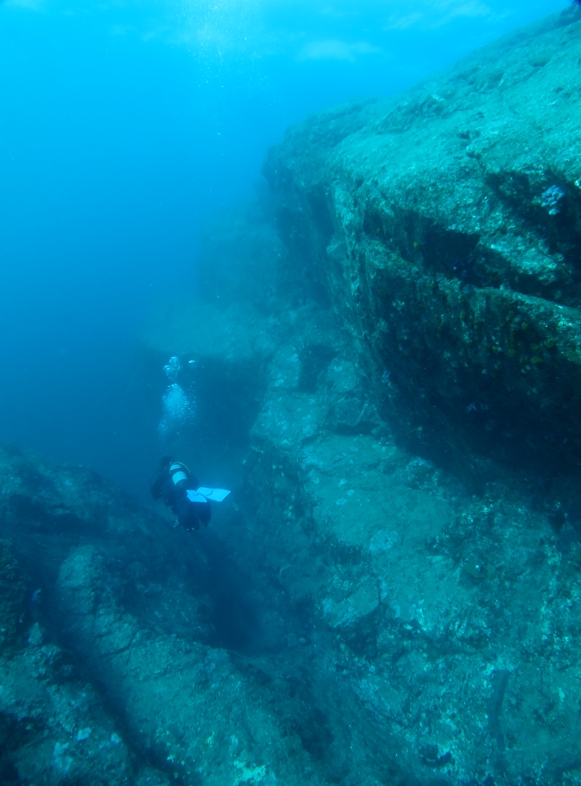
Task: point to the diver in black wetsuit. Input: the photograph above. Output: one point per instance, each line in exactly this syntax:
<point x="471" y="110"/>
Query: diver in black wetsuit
<point x="171" y="482"/>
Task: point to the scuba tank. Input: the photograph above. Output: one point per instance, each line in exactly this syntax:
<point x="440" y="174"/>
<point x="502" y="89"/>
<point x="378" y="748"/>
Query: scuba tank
<point x="179" y="474"/>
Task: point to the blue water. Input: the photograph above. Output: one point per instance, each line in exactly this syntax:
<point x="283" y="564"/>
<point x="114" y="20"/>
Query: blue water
<point x="123" y="126"/>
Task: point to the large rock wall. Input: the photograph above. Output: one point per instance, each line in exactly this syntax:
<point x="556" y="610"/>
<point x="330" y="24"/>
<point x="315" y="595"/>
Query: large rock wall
<point x="429" y="296"/>
<point x="445" y="229"/>
<point x="434" y="632"/>
<point x="452" y="618"/>
<point x="424" y="624"/>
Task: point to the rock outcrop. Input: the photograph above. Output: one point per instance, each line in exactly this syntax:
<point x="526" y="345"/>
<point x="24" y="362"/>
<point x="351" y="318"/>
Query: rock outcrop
<point x="445" y="228"/>
<point x="408" y="487"/>
<point x="139" y="654"/>
<point x="391" y="594"/>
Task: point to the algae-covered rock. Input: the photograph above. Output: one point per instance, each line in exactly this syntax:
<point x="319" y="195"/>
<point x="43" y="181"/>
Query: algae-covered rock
<point x="395" y="624"/>
<point x="55" y="725"/>
<point x="448" y="615"/>
<point x="149" y="657"/>
<point x="187" y="704"/>
<point x="445" y="228"/>
<point x="55" y="728"/>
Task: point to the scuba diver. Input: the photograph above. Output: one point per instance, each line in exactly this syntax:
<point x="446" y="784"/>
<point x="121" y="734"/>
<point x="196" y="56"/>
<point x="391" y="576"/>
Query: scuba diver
<point x="174" y="483"/>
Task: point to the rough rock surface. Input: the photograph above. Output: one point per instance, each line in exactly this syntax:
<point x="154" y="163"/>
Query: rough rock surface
<point x="418" y="366"/>
<point x="445" y="228"/>
<point x="56" y="725"/>
<point x="138" y="657"/>
<point x="356" y="613"/>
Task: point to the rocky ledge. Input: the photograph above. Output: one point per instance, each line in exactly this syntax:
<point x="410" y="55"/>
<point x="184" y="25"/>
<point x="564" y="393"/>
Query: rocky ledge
<point x="134" y="653"/>
<point x="444" y="227"/>
<point x="406" y="480"/>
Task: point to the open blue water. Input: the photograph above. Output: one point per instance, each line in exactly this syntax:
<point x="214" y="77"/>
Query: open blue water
<point x="123" y="126"/>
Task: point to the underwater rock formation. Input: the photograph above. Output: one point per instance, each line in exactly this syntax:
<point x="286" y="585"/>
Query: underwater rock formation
<point x="56" y="725"/>
<point x="131" y="662"/>
<point x="406" y="480"/>
<point x="444" y="227"/>
<point x="360" y="611"/>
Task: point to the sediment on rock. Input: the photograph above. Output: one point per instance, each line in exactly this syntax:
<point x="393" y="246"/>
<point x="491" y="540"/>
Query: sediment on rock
<point x="421" y="375"/>
<point x="149" y="656"/>
<point x="421" y="334"/>
<point x="444" y="228"/>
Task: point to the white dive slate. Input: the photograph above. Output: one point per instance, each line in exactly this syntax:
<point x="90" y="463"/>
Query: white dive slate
<point x="203" y="495"/>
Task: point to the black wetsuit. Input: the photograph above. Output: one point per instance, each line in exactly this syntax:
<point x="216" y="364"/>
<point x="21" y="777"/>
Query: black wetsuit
<point x="190" y="514"/>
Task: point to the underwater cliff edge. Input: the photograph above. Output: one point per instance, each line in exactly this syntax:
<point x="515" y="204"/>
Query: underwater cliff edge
<point x="384" y="363"/>
<point x="444" y="227"/>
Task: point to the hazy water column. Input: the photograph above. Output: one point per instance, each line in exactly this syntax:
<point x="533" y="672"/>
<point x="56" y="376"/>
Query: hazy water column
<point x="110" y="166"/>
<point x="121" y="130"/>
